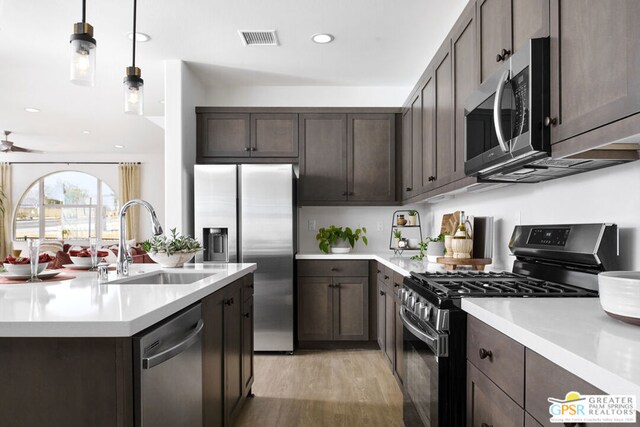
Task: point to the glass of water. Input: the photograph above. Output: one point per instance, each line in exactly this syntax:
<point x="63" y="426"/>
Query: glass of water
<point x="34" y="255"/>
<point x="93" y="250"/>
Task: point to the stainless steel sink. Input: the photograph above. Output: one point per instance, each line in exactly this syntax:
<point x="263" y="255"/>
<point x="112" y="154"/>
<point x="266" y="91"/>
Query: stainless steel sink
<point x="163" y="278"/>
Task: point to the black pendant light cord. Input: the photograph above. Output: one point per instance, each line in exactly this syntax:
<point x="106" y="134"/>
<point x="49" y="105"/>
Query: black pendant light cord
<point x="135" y="3"/>
<point x="84" y="12"/>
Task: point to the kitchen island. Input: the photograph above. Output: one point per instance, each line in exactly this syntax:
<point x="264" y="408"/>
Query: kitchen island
<point x="67" y="353"/>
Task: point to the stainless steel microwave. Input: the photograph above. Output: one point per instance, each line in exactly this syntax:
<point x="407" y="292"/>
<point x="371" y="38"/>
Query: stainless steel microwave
<point x="505" y="117"/>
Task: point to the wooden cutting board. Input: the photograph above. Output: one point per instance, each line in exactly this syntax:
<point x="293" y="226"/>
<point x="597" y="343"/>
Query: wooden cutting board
<point x="450" y="223"/>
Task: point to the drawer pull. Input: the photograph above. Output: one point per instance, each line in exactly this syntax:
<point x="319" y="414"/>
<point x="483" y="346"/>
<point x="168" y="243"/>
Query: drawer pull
<point x="484" y="353"/>
<point x="334" y="269"/>
<point x="487" y="425"/>
<point x="246" y="315"/>
<point x="381" y="293"/>
<point x="229" y="301"/>
<point x="386" y="277"/>
<point x="379" y="271"/>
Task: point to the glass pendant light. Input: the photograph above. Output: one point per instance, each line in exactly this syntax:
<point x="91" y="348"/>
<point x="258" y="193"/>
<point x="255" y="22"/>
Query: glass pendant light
<point x="83" y="52"/>
<point x="133" y="83"/>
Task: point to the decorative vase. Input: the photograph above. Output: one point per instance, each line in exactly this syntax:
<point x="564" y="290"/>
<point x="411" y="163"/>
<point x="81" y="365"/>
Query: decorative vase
<point x="412" y="220"/>
<point x="447" y="245"/>
<point x="462" y="248"/>
<point x="401" y="221"/>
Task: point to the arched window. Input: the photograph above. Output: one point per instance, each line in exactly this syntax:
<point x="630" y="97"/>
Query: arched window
<point x="67" y="206"/>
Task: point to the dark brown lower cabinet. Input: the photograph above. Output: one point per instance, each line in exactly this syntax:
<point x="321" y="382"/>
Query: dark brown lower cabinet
<point x="399" y="356"/>
<point x="333" y="305"/>
<point x="389" y="324"/>
<point x="381" y="316"/>
<point x="70" y="382"/>
<point x="487" y="405"/>
<point x="227" y="355"/>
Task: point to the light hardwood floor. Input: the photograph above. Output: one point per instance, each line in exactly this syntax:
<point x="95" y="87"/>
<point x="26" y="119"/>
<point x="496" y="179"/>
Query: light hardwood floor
<point x="323" y="388"/>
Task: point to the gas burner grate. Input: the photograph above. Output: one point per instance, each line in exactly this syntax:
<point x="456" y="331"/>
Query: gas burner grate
<point x="487" y="284"/>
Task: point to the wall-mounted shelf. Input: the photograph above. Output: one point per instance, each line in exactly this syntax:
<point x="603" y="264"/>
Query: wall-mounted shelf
<point x="413" y="231"/>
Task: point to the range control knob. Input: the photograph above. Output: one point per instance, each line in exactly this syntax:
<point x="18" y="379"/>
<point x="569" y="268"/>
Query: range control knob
<point x="403" y="296"/>
<point x="427" y="312"/>
<point x="419" y="309"/>
<point x="411" y="302"/>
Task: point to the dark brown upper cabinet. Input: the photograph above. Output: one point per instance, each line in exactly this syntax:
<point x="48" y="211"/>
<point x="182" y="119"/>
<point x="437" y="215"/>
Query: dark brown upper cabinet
<point x="466" y="78"/>
<point x="595" y="63"/>
<point x="407" y="154"/>
<point x="241" y="135"/>
<point x="445" y="144"/>
<point x="224" y="135"/>
<point x="347" y="158"/>
<point x="274" y="135"/>
<point x="504" y="26"/>
<point x="323" y="168"/>
<point x="371" y="157"/>
<point x="427" y="162"/>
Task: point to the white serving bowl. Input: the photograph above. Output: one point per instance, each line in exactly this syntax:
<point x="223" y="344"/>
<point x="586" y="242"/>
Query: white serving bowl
<point x="171" y="261"/>
<point x="84" y="261"/>
<point x="620" y="295"/>
<point x="23" y="269"/>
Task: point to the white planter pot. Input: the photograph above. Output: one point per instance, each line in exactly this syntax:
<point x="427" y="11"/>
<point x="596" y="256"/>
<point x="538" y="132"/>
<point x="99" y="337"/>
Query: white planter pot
<point x="435" y="250"/>
<point x="412" y="220"/>
<point x="341" y="247"/>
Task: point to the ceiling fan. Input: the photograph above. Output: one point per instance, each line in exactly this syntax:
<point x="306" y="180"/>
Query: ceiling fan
<point x="7" y="146"/>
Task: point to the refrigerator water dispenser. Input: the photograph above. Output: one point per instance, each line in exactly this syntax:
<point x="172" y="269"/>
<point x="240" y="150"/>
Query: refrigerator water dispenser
<point x="216" y="244"/>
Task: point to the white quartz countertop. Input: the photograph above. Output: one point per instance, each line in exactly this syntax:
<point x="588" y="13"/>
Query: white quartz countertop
<point x="401" y="264"/>
<point x="83" y="307"/>
<point x="571" y="332"/>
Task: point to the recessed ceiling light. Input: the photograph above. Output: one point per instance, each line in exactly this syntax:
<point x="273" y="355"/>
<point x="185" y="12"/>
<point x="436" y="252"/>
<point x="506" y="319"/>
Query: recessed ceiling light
<point x="31" y="110"/>
<point x="322" y="38"/>
<point x="86" y="132"/>
<point x="119" y="146"/>
<point x="140" y="37"/>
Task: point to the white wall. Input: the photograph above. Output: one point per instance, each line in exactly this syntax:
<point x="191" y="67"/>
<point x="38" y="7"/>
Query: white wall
<point x="183" y="92"/>
<point x="151" y="175"/>
<point x="354" y="217"/>
<point x="305" y="96"/>
<point x="607" y="195"/>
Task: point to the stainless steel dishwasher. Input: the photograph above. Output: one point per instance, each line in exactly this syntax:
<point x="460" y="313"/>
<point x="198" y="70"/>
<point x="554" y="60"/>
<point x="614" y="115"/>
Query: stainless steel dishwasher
<point x="168" y="372"/>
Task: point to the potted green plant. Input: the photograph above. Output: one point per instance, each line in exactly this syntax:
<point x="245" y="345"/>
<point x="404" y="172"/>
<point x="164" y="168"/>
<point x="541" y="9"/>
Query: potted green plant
<point x="338" y="239"/>
<point x="172" y="251"/>
<point x="433" y="247"/>
<point x="397" y="235"/>
<point x="412" y="218"/>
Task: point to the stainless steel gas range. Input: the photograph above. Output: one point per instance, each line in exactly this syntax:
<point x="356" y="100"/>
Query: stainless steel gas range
<point x="552" y="261"/>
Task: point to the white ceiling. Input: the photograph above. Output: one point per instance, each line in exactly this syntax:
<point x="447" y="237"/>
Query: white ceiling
<point x="377" y="43"/>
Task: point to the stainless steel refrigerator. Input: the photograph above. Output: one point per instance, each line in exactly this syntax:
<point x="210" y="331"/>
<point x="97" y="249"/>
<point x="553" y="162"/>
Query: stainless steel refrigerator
<point x="246" y="213"/>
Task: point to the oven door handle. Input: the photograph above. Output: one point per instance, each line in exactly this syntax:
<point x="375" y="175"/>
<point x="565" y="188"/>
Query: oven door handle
<point x="436" y="342"/>
<point x="497" y="111"/>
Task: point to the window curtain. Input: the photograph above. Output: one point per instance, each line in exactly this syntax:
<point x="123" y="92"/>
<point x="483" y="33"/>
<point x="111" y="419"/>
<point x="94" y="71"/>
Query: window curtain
<point x="129" y="186"/>
<point x="5" y="211"/>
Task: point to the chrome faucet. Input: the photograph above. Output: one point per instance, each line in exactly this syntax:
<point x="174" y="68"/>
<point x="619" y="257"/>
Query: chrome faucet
<point x="123" y="254"/>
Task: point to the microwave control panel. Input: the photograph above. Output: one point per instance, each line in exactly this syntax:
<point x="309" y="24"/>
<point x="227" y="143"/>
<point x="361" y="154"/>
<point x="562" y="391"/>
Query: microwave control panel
<point x="520" y="88"/>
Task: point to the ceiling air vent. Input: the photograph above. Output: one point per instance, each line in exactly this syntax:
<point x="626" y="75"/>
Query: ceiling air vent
<point x="259" y="38"/>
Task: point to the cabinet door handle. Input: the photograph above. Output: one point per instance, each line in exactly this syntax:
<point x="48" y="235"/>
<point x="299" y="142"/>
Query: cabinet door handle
<point x="570" y="424"/>
<point x="344" y="193"/>
<point x="409" y="189"/>
<point x="254" y="148"/>
<point x="396" y="285"/>
<point x="229" y="301"/>
<point x="379" y="271"/>
<point x="381" y="293"/>
<point x="247" y="148"/>
<point x="550" y="121"/>
<point x="487" y="425"/>
<point x="246" y="315"/>
<point x="251" y="286"/>
<point x="351" y="193"/>
<point x="334" y="269"/>
<point x="432" y="178"/>
<point x="386" y="277"/>
<point x="484" y="353"/>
